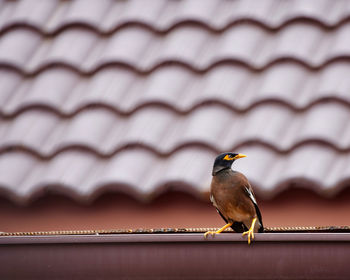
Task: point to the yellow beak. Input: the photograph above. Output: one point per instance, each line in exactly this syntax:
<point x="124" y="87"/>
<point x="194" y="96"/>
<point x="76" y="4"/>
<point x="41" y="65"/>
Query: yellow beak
<point x="239" y="156"/>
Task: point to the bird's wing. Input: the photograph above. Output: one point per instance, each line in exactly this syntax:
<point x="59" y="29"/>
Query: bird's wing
<point x="249" y="190"/>
<point x="236" y="226"/>
<point x="250" y="193"/>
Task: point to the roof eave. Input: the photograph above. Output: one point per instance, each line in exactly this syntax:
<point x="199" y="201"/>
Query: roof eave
<point x="176" y="256"/>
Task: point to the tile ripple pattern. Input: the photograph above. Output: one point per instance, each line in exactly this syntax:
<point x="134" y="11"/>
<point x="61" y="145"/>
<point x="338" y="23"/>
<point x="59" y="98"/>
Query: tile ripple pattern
<point x="162" y="15"/>
<point x="192" y="47"/>
<point x="125" y="96"/>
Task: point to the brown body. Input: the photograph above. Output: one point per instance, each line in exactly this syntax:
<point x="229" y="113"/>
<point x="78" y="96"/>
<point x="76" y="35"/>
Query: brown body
<point x="234" y="199"/>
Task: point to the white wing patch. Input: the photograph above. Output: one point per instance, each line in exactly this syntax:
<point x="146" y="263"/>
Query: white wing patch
<point x="213" y="201"/>
<point x="251" y="195"/>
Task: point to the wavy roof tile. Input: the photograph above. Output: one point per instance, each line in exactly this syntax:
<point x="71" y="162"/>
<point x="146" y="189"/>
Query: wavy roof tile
<point x="66" y="92"/>
<point x="105" y="133"/>
<point x="139" y="98"/>
<point x="83" y="176"/>
<point x="189" y="45"/>
<point x="162" y="15"/>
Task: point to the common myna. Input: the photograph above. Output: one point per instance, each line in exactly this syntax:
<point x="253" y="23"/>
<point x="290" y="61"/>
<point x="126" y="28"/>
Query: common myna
<point x="234" y="199"/>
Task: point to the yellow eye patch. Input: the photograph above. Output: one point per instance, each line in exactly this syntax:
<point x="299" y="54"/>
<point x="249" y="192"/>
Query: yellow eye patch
<point x="227" y="157"/>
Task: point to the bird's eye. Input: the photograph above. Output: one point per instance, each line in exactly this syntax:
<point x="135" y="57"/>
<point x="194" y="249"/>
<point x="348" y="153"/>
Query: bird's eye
<point x="228" y="157"/>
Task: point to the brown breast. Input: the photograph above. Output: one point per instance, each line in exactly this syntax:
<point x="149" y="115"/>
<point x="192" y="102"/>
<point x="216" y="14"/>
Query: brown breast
<point x="229" y="195"/>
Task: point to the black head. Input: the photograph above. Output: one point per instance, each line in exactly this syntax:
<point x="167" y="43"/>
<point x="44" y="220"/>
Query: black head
<point x="224" y="161"/>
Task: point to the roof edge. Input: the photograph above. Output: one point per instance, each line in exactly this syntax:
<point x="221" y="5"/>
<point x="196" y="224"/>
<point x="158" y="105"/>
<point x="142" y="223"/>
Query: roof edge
<point x="176" y="256"/>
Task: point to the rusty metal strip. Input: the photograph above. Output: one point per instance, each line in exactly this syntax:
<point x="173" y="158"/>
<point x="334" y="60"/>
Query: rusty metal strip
<point x="174" y="230"/>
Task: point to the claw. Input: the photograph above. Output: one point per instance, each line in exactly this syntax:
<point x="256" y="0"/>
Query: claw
<point x="209" y="232"/>
<point x="250" y="232"/>
<point x="218" y="231"/>
<point x="250" y="235"/>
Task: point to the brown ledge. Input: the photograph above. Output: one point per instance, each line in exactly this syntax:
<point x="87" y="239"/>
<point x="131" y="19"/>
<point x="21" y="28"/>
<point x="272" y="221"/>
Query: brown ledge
<point x="321" y="255"/>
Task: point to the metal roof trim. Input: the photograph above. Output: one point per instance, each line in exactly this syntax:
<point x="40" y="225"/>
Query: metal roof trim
<point x="176" y="256"/>
<point x="175" y="237"/>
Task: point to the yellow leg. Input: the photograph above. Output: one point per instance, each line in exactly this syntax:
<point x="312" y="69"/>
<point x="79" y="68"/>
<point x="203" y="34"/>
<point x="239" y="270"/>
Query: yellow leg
<point x="250" y="232"/>
<point x="218" y="231"/>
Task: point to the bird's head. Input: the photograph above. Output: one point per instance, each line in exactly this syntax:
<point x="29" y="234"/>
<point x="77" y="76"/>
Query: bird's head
<point x="224" y="161"/>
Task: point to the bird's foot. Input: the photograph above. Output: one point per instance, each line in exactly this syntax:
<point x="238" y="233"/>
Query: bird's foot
<point x="210" y="233"/>
<point x="218" y="231"/>
<point x="250" y="232"/>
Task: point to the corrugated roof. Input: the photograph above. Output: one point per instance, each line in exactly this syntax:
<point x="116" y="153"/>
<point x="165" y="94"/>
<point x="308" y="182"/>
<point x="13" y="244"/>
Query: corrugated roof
<point x="139" y="98"/>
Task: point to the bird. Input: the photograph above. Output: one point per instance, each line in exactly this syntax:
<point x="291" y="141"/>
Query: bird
<point x="233" y="197"/>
